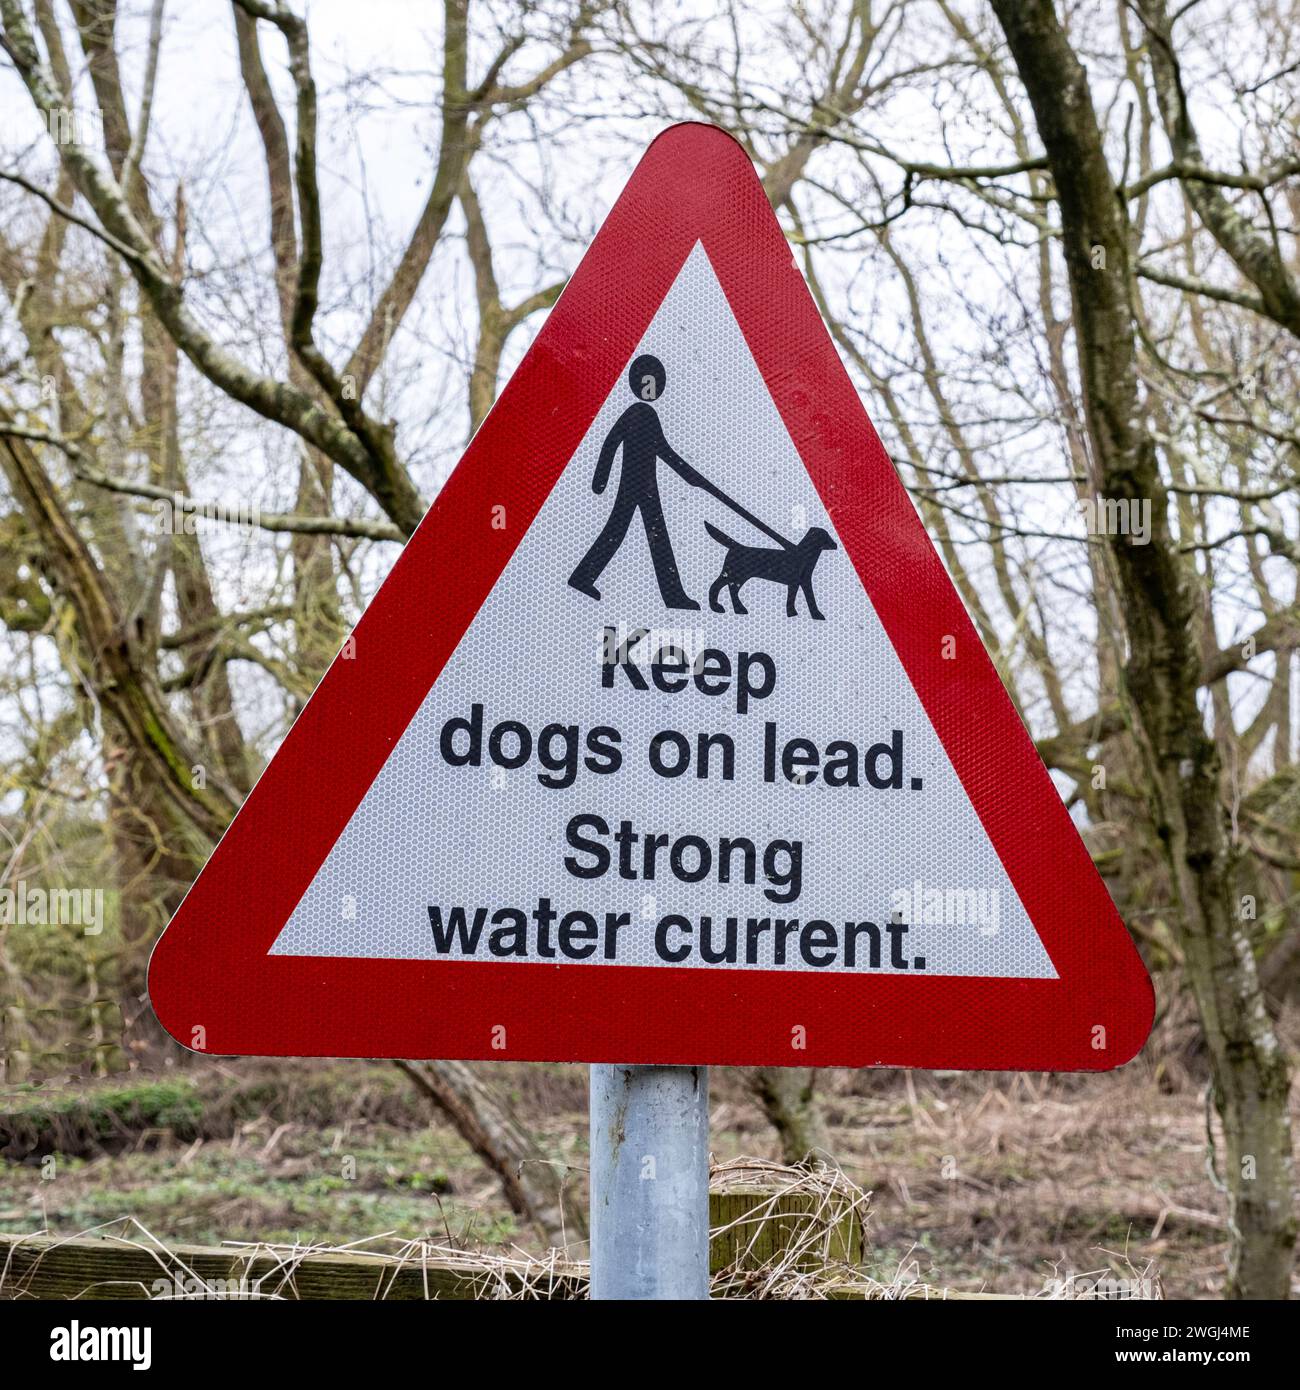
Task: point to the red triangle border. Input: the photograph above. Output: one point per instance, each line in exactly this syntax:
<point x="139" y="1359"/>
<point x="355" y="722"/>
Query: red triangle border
<point x="217" y="990"/>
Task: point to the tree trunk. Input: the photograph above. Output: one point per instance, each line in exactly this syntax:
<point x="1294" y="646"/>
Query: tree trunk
<point x="533" y="1184"/>
<point x="788" y="1098"/>
<point x="1250" y="1075"/>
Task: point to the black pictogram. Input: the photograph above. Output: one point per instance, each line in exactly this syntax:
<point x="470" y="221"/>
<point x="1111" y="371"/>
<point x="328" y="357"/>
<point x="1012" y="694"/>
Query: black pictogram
<point x="791" y="566"/>
<point x="640" y="436"/>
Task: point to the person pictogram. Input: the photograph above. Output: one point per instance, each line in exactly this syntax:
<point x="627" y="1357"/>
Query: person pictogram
<point x="641" y="437"/>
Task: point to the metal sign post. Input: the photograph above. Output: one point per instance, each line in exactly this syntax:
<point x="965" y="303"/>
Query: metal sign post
<point x="649" y="1182"/>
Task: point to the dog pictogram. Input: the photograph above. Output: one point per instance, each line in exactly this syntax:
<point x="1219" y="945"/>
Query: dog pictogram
<point x="792" y="566"/>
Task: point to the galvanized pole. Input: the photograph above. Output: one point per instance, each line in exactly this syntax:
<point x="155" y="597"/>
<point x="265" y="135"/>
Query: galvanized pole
<point x="649" y="1182"/>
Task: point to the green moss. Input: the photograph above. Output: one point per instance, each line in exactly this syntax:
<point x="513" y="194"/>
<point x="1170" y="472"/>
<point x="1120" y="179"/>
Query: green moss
<point x="41" y="1123"/>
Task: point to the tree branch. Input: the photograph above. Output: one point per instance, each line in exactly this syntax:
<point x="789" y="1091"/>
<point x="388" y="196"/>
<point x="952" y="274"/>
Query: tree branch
<point x="272" y="399"/>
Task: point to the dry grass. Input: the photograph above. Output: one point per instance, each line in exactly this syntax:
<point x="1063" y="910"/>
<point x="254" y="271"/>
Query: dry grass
<point x="1012" y="1185"/>
<point x="787" y="1233"/>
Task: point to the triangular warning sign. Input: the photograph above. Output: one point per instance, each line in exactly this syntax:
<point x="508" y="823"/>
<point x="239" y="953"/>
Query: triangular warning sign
<point x="667" y="739"/>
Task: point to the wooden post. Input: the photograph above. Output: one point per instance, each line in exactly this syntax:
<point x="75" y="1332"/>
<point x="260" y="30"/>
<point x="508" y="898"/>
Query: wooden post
<point x="756" y="1228"/>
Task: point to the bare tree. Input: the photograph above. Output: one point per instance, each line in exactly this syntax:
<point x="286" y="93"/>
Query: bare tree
<point x="1163" y="670"/>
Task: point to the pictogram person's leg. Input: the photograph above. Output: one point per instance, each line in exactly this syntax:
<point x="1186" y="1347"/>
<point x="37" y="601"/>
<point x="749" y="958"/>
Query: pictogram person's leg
<point x="661" y="552"/>
<point x="603" y="549"/>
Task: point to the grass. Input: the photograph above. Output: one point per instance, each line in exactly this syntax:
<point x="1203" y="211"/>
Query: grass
<point x="1002" y="1183"/>
<point x="210" y="1192"/>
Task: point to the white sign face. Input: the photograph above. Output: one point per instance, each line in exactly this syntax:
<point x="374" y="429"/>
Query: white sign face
<point x="752" y="789"/>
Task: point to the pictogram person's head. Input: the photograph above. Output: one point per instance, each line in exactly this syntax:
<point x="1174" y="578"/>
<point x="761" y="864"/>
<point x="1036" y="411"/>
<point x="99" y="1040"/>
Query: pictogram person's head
<point x="646" y="377"/>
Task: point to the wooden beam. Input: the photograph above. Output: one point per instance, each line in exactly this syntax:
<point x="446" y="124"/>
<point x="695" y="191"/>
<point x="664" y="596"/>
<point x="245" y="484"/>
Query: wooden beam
<point x="752" y="1229"/>
<point x="51" y="1267"/>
